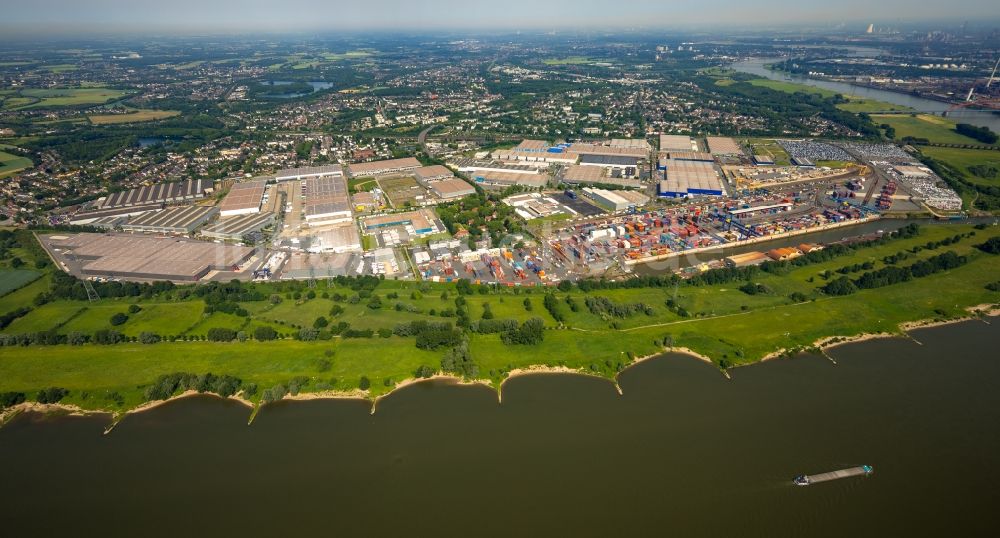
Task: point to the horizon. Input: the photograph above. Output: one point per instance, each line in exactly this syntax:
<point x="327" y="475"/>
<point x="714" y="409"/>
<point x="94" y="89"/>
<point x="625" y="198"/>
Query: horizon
<point x="188" y="17"/>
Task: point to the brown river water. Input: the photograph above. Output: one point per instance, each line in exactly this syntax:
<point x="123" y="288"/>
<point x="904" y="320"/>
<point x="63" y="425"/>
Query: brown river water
<point x="682" y="452"/>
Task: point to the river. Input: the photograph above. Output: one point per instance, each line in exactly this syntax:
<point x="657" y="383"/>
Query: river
<point x="682" y="452"/>
<point x="982" y="118"/>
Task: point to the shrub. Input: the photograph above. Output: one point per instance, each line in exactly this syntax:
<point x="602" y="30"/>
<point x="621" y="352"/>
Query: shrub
<point x="146" y="337"/>
<point x="265" y="333"/>
<point x="134" y="309"/>
<point x="118" y="319"/>
<point x="364" y="383"/>
<point x="221" y="334"/>
<point x="51" y="395"/>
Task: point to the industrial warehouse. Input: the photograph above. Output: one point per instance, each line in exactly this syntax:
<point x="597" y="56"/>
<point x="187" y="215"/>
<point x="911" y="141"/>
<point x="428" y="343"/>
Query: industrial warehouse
<point x="615" y="201"/>
<point x="671" y="143"/>
<point x="293" y="174"/>
<point x="690" y="178"/>
<point x="382" y="168"/>
<point x="160" y="193"/>
<point x="175" y="220"/>
<point x="145" y="258"/>
<point x="243" y="199"/>
<point x="326" y="200"/>
<point x="238" y="227"/>
<point x="596" y="175"/>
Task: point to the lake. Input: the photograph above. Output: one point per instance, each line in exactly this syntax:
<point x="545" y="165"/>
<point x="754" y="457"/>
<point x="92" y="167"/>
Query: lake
<point x="682" y="452"/>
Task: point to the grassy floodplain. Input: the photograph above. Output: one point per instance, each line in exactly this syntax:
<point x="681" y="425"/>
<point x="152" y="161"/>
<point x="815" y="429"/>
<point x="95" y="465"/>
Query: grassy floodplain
<point x="964" y="159"/>
<point x="935" y="129"/>
<point x="722" y="323"/>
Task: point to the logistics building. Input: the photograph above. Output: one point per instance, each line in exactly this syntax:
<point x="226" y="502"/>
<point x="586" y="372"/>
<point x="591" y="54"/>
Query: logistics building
<point x="610" y="161"/>
<point x="579" y="175"/>
<point x="538" y="152"/>
<point x="291" y="174"/>
<point x="381" y="168"/>
<point x="671" y="143"/>
<point x="690" y="178"/>
<point x="243" y="198"/>
<point x="235" y="228"/>
<point x="502" y="180"/>
<point x="326" y="201"/>
<point x="174" y="220"/>
<point x="147" y="258"/>
<point x="723" y="145"/>
<point x="615" y="200"/>
<point x="92" y="216"/>
<point x="451" y="188"/>
<point x="338" y="239"/>
<point x="581" y="149"/>
<point x="160" y="193"/>
<point x="425" y="174"/>
<point x="420" y="220"/>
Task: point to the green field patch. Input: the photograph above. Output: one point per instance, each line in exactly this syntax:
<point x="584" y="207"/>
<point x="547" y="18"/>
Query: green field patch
<point x="11" y="164"/>
<point x="304" y="314"/>
<point x="791" y="87"/>
<point x="59" y="68"/>
<point x="13" y="279"/>
<point x="94" y="318"/>
<point x="24" y="295"/>
<point x="974" y="164"/>
<point x="858" y="105"/>
<point x="935" y="129"/>
<point x="164" y="319"/>
<point x="45" y="318"/>
<point x="570" y="60"/>
<point x="219" y="320"/>
<point x="56" y="97"/>
<point x="133" y="116"/>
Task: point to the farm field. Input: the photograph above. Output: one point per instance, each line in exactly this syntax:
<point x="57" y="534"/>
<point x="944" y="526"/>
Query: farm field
<point x="934" y="128"/>
<point x="133" y="116"/>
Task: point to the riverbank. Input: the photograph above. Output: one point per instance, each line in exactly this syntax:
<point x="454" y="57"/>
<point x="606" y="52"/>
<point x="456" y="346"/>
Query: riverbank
<point x="116" y="416"/>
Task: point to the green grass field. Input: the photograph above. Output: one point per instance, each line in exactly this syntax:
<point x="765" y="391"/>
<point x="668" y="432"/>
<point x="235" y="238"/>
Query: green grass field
<point x="962" y="159"/>
<point x="791" y="87"/>
<point x="11" y="164"/>
<point x="133" y="116"/>
<point x="725" y="324"/>
<point x="770" y="147"/>
<point x="13" y="279"/>
<point x="934" y="128"/>
<point x="858" y="105"/>
<point x="570" y="60"/>
<point x="58" y="97"/>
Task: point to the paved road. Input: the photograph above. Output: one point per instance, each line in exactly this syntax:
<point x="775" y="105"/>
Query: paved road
<point x="422" y="139"/>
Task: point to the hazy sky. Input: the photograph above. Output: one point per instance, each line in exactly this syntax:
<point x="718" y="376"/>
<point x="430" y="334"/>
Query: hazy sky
<point x="285" y="15"/>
